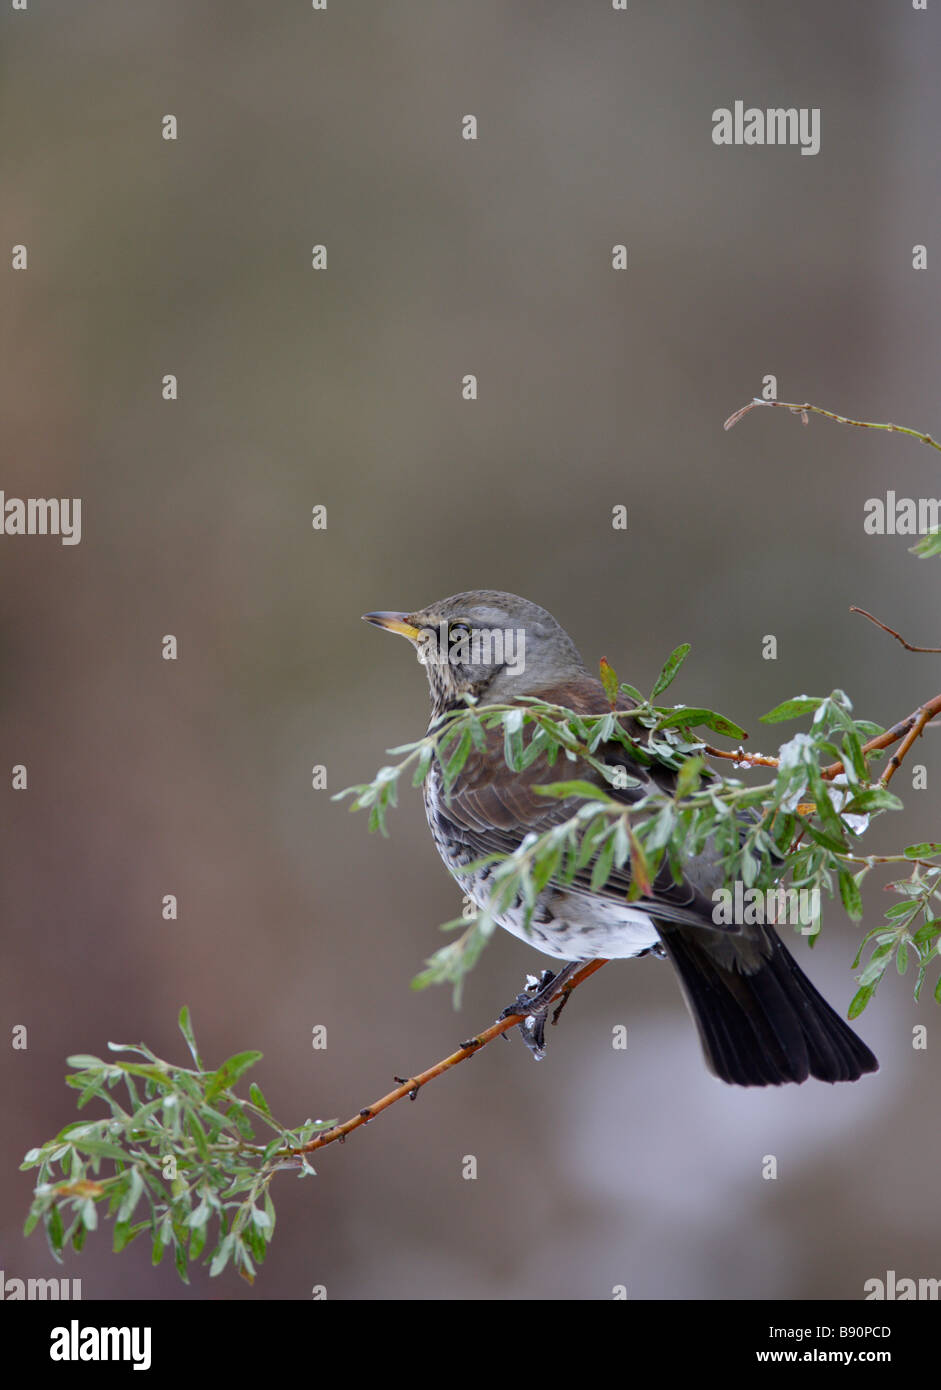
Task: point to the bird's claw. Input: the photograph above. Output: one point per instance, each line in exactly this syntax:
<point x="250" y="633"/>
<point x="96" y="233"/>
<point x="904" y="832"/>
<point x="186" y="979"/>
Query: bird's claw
<point x="534" y="1003"/>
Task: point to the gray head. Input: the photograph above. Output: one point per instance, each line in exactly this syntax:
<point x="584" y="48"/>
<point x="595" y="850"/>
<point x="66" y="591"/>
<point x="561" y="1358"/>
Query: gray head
<point x="485" y="643"/>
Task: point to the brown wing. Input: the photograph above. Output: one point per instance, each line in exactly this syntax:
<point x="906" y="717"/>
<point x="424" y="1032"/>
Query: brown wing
<point x="492" y="809"/>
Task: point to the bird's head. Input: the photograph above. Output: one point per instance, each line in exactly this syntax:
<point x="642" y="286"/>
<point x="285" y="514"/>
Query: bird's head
<point x="484" y="643"/>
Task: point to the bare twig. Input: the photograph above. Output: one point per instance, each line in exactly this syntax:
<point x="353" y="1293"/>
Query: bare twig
<point x="740" y="756"/>
<point x="892" y="632"/>
<point x="805" y="410"/>
<point x="413" y="1084"/>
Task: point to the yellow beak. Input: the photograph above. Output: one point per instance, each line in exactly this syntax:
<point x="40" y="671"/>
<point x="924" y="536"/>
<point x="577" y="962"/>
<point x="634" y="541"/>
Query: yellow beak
<point x="394" y="622"/>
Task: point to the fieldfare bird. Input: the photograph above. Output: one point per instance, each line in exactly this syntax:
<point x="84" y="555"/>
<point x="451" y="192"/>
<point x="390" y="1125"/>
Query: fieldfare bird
<point x="760" y="1020"/>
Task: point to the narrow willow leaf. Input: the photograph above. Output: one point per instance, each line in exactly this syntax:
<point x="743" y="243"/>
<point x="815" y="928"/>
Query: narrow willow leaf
<point x="513" y="739"/>
<point x="640" y="868"/>
<point x="791" y="709"/>
<point x="257" y="1097"/>
<point x="602" y="865"/>
<point x="872" y="799"/>
<point x="859" y="1001"/>
<point x="852" y="898"/>
<point x="458" y="758"/>
<point x="230" y="1071"/>
<point x="928" y="545"/>
<point x="701" y="718"/>
<point x="853" y="757"/>
<point x="186" y="1028"/>
<point x="689" y="776"/>
<point x="561" y="790"/>
<point x="820" y="837"/>
<point x="672" y="664"/>
<point x="609" y="680"/>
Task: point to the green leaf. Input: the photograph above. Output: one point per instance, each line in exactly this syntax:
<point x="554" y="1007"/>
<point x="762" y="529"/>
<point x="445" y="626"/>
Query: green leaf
<point x="660" y="831"/>
<point x="513" y="739"/>
<point x="852" y="897"/>
<point x="230" y="1071"/>
<point x="640" y="868"/>
<point x="561" y="790"/>
<point x="859" y="1001"/>
<point x="610" y="681"/>
<point x="928" y="545"/>
<point x="602" y="865"/>
<point x="122" y="1236"/>
<point x="544" y="869"/>
<point x="199" y="1216"/>
<point x="257" y="1097"/>
<point x="260" y="1218"/>
<point x="423" y="764"/>
<point x="221" y="1257"/>
<point x="878" y="963"/>
<point x="791" y="709"/>
<point x="197" y="1242"/>
<point x="135" y="1190"/>
<point x="54" y="1231"/>
<point x="689" y="776"/>
<point x="822" y="838"/>
<point x="199" y="1136"/>
<point x="458" y="758"/>
<point x="186" y="1028"/>
<point x="923" y="851"/>
<point x="853" y="758"/>
<point x="99" y="1148"/>
<point x="871" y="799"/>
<point x="830" y="822"/>
<point x="696" y="718"/>
<point x="672" y="664"/>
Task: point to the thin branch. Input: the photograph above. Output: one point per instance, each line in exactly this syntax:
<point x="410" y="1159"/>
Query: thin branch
<point x="924" y="716"/>
<point x="892" y="632"/>
<point x="907" y="729"/>
<point x="740" y="756"/>
<point x="413" y="1084"/>
<point x="897" y="731"/>
<point x="805" y="410"/>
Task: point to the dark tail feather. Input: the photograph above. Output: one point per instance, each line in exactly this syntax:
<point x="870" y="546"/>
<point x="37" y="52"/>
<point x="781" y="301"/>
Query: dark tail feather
<point x="766" y="1028"/>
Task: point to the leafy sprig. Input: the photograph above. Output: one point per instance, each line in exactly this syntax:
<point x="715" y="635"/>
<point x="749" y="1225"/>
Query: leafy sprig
<point x="178" y="1152"/>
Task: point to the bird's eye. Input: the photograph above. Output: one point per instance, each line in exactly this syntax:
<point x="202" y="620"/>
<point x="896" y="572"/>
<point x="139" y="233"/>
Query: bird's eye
<point x="459" y="630"/>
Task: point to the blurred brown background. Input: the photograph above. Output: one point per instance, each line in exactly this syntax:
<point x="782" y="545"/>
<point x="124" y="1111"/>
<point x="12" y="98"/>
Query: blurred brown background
<point x="342" y="388"/>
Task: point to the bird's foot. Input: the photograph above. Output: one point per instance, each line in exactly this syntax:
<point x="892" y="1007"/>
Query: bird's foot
<point x="534" y="1003"/>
